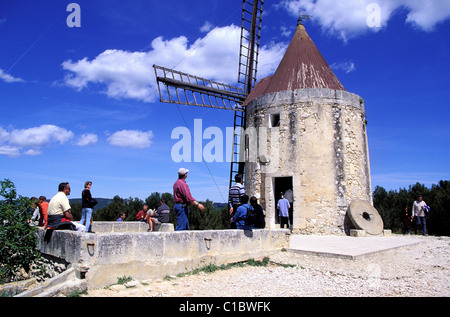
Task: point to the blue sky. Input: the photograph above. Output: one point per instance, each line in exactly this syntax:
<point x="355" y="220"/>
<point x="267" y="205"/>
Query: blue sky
<point x="80" y="103"/>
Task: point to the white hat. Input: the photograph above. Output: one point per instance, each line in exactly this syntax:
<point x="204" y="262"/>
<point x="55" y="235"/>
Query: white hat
<point x="182" y="171"/>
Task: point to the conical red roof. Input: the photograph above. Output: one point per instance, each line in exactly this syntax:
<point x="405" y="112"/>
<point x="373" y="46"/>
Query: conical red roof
<point x="301" y="67"/>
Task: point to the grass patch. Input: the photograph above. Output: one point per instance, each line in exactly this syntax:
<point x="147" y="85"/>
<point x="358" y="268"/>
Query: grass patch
<point x="211" y="268"/>
<point x="124" y="279"/>
<point x="77" y="293"/>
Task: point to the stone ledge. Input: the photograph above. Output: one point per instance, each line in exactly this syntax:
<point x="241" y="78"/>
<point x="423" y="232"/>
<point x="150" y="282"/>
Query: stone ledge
<point x="363" y="233"/>
<point x="128" y="226"/>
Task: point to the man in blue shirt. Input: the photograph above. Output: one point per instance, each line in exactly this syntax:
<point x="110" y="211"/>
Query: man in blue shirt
<point x="283" y="207"/>
<point x="241" y="214"/>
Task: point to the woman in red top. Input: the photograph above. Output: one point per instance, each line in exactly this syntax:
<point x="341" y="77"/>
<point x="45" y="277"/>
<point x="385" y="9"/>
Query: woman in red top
<point x="43" y="206"/>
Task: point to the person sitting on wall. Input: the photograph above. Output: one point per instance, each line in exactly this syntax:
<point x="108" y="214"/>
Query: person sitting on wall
<point x="141" y="216"/>
<point x="260" y="218"/>
<point x="161" y="215"/>
<point x="59" y="215"/>
<point x="240" y="216"/>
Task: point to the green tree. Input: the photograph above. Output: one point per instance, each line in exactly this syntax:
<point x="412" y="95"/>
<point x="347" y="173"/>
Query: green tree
<point x="132" y="207"/>
<point x="18" y="243"/>
<point x="110" y="212"/>
<point x="75" y="209"/>
<point x="391" y="205"/>
<point x="439" y="201"/>
<point x="211" y="218"/>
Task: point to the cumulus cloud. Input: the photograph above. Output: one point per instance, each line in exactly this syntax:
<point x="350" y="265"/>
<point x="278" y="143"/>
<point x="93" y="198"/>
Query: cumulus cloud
<point x="349" y="18"/>
<point x="8" y="78"/>
<point x="87" y="139"/>
<point x="130" y="74"/>
<point x="16" y="142"/>
<point x="131" y="139"/>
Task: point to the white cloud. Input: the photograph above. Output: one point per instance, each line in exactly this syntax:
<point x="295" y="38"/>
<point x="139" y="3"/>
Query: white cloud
<point x="285" y="31"/>
<point x="349" y="18"/>
<point x="269" y="58"/>
<point x="8" y="78"/>
<point x="131" y="139"/>
<point x="32" y="152"/>
<point x="87" y="139"/>
<point x="10" y="151"/>
<point x="130" y="74"/>
<point x="39" y="136"/>
<point x="347" y="67"/>
<point x="31" y="140"/>
<point x="206" y="27"/>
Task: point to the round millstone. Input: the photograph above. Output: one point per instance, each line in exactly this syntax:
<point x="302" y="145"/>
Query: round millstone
<point x="365" y="217"/>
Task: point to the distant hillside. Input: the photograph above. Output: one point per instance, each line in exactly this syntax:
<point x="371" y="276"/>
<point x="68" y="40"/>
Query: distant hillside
<point x="102" y="202"/>
<point x="220" y="205"/>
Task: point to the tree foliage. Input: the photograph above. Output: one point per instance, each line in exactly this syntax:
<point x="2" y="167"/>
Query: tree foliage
<point x="18" y="242"/>
<point x="391" y="205"/>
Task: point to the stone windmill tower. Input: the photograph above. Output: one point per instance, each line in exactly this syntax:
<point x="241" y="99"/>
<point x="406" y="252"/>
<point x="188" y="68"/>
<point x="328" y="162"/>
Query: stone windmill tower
<point x="306" y="136"/>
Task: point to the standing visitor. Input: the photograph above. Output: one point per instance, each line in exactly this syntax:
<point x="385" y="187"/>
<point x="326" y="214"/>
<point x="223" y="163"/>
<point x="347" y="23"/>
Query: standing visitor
<point x="183" y="198"/>
<point x="86" y="206"/>
<point x="406" y="219"/>
<point x="418" y="211"/>
<point x="234" y="197"/>
<point x="283" y="207"/>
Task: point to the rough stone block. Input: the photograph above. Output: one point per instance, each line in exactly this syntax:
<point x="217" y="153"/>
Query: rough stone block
<point x="358" y="233"/>
<point x="387" y="232"/>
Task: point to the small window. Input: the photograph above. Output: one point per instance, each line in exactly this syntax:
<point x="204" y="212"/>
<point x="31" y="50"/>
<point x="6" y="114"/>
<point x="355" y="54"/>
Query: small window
<point x="275" y="120"/>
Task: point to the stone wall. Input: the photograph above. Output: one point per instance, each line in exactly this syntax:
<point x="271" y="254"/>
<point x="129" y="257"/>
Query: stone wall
<point x="320" y="142"/>
<point x="144" y="255"/>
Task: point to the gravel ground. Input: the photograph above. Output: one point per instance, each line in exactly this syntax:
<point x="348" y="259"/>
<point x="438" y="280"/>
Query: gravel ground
<point x="417" y="270"/>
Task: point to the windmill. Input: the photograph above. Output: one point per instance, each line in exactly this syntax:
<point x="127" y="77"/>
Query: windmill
<point x="182" y="88"/>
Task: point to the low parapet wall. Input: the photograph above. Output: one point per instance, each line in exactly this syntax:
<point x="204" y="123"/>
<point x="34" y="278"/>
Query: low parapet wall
<point x="145" y="255"/>
<point x="128" y="226"/>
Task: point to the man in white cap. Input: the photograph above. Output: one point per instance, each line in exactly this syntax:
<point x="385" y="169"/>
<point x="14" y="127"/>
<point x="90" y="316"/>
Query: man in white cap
<point x="183" y="198"/>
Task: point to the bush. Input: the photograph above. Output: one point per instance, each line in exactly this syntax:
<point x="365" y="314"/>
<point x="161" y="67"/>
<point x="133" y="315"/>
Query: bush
<point x="18" y="242"/>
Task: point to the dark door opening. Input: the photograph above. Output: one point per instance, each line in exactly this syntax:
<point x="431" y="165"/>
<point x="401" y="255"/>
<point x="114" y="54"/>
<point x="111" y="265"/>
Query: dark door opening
<point x="283" y="185"/>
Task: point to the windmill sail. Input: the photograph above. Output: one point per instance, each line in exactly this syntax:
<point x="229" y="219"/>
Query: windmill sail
<point x="182" y="88"/>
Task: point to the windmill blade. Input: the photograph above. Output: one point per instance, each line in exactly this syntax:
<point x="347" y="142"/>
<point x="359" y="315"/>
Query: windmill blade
<point x="250" y="38"/>
<point x="182" y="88"/>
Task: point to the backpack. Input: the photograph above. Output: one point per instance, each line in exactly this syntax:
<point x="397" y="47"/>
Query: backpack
<point x="250" y="218"/>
